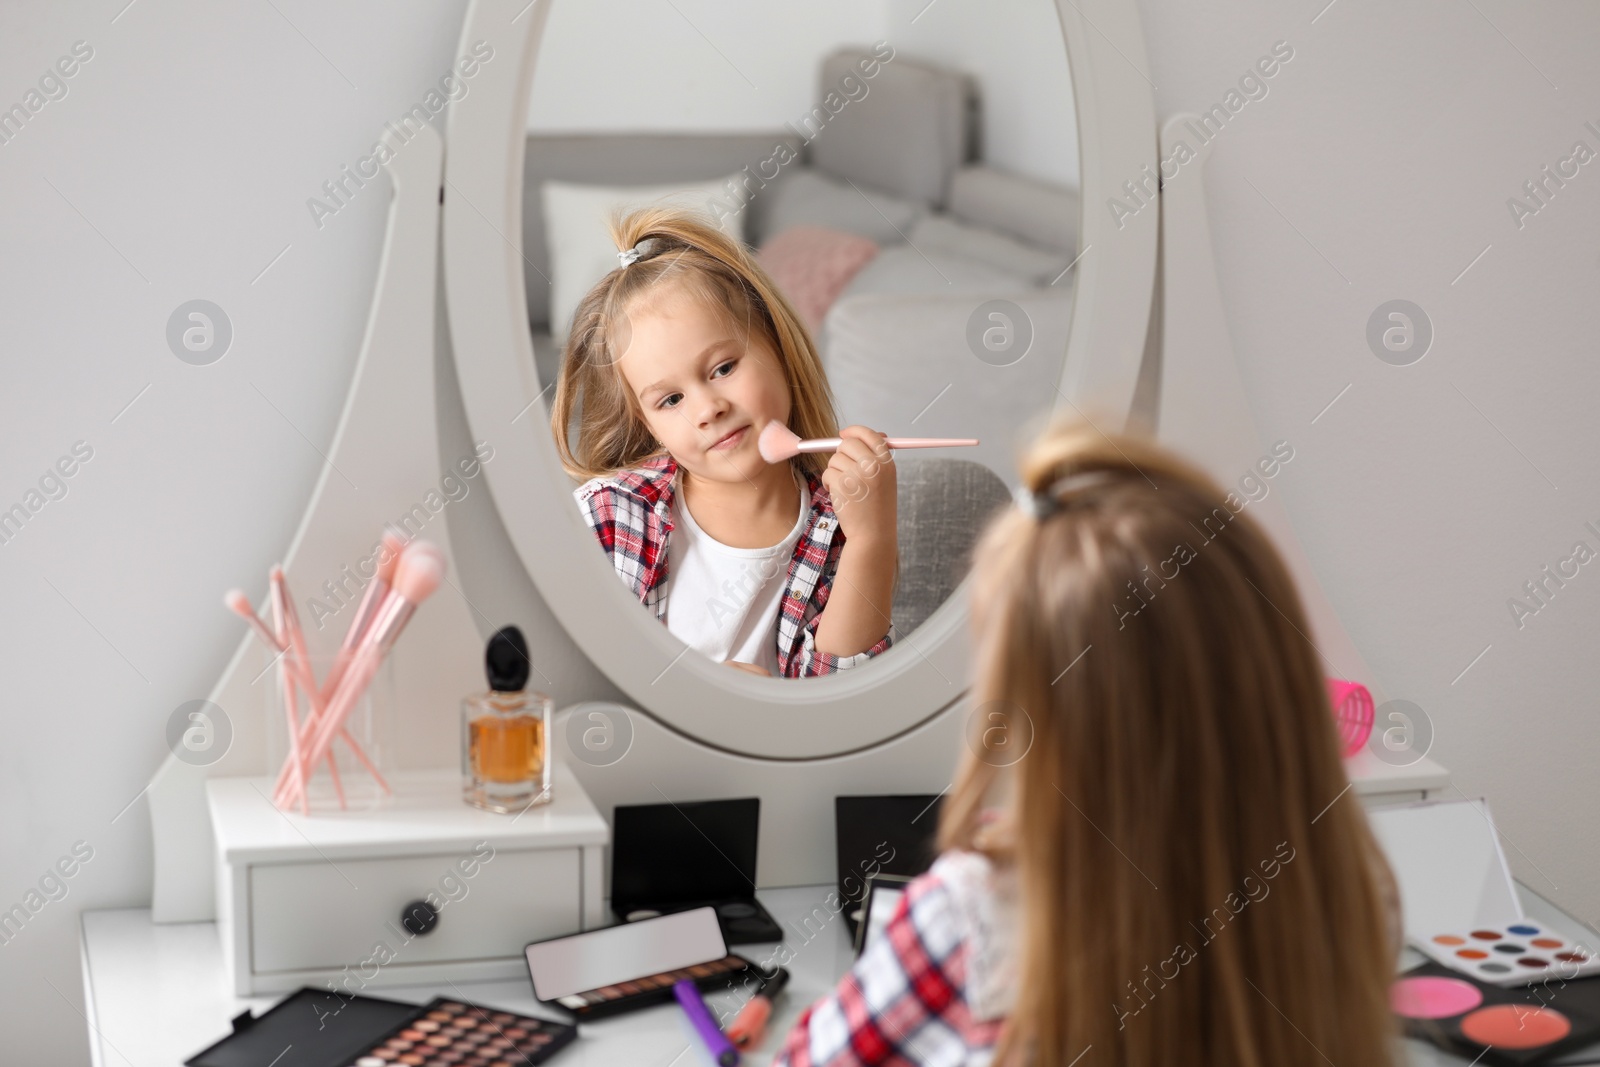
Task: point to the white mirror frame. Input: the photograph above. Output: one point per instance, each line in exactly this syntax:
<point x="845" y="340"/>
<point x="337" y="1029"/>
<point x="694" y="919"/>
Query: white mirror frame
<point x="926" y="671"/>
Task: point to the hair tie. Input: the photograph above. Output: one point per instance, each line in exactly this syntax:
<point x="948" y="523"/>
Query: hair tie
<point x="1046" y="502"/>
<point x="629" y="256"/>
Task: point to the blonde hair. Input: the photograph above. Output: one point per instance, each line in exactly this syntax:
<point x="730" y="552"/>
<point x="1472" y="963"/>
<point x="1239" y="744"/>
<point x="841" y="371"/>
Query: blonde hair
<point x="689" y="251"/>
<point x="1190" y="751"/>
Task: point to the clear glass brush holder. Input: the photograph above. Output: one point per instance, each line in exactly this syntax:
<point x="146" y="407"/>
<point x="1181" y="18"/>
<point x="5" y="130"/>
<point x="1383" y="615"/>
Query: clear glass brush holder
<point x="361" y="756"/>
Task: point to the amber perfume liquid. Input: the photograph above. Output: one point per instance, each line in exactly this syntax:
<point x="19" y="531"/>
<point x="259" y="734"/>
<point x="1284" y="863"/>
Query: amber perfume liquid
<point x="505" y="750"/>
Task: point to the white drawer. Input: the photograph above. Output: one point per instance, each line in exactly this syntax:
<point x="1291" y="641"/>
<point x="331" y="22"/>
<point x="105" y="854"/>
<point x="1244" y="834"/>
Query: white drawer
<point x="332" y="914"/>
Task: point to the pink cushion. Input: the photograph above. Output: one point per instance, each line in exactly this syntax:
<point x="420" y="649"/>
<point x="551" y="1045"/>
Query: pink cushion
<point x="813" y="264"/>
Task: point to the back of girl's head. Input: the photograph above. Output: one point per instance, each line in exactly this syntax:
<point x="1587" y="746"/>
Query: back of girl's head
<point x="683" y="251"/>
<point x="1195" y="887"/>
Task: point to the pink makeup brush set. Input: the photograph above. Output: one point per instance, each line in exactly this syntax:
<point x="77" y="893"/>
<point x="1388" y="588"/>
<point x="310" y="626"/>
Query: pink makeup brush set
<point x="407" y="575"/>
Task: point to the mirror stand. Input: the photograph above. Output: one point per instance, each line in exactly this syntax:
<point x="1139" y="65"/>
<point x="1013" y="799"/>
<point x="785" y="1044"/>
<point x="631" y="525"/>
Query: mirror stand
<point x="383" y="466"/>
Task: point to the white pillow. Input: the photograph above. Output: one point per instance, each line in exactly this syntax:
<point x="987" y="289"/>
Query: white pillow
<point x="581" y="250"/>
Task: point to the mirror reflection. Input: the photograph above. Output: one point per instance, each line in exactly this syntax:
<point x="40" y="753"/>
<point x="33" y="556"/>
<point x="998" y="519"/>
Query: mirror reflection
<point x="850" y="221"/>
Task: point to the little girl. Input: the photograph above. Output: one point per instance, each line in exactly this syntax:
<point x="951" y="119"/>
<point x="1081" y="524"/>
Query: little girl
<point x="1150" y="855"/>
<point x="677" y="360"/>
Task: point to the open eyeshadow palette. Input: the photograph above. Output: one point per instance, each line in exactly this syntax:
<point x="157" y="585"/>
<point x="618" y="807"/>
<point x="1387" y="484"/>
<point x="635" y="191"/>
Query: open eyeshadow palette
<point x="1492" y="1025"/>
<point x="319" y="1028"/>
<point x="656" y="988"/>
<point x="634" y="964"/>
<point x="1518" y="954"/>
<point x="1461" y="905"/>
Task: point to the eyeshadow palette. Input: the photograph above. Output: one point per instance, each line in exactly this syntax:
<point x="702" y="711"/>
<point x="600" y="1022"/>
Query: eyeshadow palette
<point x="451" y="1033"/>
<point x="321" y="1028"/>
<point x="1516" y="954"/>
<point x="1492" y="1025"/>
<point x="656" y="988"/>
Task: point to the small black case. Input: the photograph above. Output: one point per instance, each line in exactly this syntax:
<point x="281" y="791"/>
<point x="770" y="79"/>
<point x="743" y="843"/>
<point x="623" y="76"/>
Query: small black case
<point x="668" y="858"/>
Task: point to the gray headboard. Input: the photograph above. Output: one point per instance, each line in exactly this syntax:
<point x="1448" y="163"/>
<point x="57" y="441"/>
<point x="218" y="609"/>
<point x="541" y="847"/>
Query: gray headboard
<point x="916" y="123"/>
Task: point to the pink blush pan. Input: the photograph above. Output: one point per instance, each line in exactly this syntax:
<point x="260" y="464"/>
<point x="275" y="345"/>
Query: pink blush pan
<point x="1429" y="997"/>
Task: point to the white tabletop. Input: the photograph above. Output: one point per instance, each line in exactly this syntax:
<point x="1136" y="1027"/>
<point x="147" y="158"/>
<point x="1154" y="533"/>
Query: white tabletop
<point x="156" y="994"/>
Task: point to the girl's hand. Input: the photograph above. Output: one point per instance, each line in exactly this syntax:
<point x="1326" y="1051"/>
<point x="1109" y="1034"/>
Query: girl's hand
<point x="861" y="481"/>
<point x="748" y="667"/>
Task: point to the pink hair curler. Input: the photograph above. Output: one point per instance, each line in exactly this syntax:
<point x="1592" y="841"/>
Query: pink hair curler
<point x="1352" y="711"/>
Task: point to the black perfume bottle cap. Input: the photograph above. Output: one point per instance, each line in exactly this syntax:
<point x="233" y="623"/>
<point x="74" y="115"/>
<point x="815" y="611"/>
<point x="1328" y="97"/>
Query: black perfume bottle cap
<point x="506" y="661"/>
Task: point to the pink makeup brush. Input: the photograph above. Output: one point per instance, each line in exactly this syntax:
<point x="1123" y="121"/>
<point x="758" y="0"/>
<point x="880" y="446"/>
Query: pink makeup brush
<point x="239" y="604"/>
<point x="778" y="443"/>
<point x="420" y="571"/>
<point x="298" y="644"/>
<point x="293" y="637"/>
<point x="376" y="589"/>
<point x="283" y="791"/>
<point x="286" y="682"/>
<point x="286" y="628"/>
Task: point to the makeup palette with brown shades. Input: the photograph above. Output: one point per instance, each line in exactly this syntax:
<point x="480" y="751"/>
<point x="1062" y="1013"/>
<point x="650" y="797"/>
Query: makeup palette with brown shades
<point x="656" y="988"/>
<point x="321" y="1028"/>
<point x="633" y="965"/>
<point x="1493" y="1025"/>
<point x="449" y="1033"/>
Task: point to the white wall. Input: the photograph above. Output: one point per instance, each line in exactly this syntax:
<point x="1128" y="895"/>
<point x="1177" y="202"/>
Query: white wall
<point x="181" y="161"/>
<point x="177" y="166"/>
<point x="1014" y="49"/>
<point x="1377" y="168"/>
<point x="692" y="66"/>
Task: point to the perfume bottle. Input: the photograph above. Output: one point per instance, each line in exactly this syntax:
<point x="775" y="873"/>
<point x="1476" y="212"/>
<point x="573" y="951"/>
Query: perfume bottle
<point x="505" y="732"/>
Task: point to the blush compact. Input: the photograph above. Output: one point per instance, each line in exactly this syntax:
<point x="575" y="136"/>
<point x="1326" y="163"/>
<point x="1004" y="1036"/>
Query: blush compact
<point x="1494" y="1025"/>
<point x="323" y="1028"/>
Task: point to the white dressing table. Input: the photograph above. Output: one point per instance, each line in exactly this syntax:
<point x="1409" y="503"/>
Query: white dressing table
<point x="156" y="993"/>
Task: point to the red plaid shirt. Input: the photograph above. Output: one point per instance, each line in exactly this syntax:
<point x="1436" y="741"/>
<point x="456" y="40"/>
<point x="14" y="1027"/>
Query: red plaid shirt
<point x="924" y="992"/>
<point x="631" y="515"/>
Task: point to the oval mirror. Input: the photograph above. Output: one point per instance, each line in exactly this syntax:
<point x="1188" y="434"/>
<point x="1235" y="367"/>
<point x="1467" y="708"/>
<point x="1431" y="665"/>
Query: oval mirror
<point x="907" y="176"/>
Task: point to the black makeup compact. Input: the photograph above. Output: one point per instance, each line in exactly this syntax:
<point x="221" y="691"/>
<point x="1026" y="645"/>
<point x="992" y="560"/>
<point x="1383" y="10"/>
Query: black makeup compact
<point x="1495" y="1025"/>
<point x="878" y="835"/>
<point x="323" y="1028"/>
<point x="668" y="858"/>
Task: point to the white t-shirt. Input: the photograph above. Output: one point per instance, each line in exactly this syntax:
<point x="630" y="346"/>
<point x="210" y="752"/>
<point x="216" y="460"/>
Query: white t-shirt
<point x="724" y="601"/>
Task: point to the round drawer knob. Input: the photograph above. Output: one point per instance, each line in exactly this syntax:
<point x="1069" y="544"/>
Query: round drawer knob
<point x="418" y="917"/>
